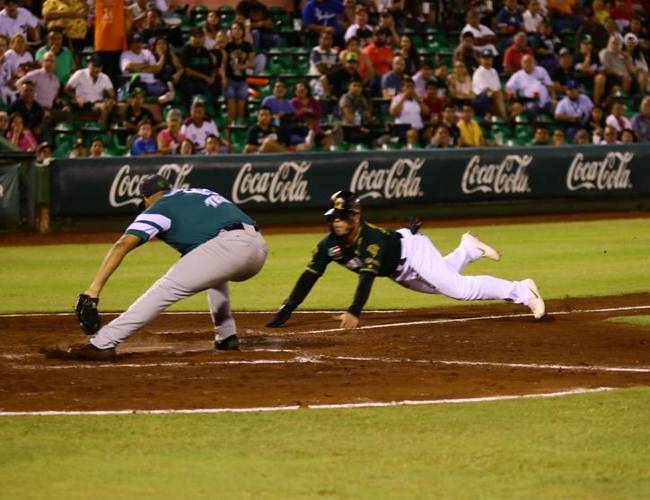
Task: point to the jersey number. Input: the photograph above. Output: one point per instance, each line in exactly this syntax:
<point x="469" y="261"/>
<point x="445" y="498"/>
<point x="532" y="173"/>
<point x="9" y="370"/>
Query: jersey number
<point x="212" y="199"/>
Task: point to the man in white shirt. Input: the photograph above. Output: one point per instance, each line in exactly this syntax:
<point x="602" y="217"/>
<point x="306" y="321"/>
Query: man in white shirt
<point x="15" y="19"/>
<point x="532" y="85"/>
<point x="361" y="29"/>
<point x="487" y="87"/>
<point x="484" y="37"/>
<point x="533" y="17"/>
<point x="323" y="58"/>
<point x="141" y="61"/>
<point x="198" y="127"/>
<point x="91" y="89"/>
<point x="407" y="108"/>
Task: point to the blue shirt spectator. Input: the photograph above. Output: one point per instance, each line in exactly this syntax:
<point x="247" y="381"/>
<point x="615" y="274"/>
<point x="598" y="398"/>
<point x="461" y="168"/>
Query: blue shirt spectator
<point x="509" y="18"/>
<point x="144" y="147"/>
<point x="278" y="102"/>
<point x="322" y="14"/>
<point x="641" y="121"/>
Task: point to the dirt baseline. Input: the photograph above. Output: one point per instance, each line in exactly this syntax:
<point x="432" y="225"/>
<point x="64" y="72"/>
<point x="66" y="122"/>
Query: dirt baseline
<point x="474" y="351"/>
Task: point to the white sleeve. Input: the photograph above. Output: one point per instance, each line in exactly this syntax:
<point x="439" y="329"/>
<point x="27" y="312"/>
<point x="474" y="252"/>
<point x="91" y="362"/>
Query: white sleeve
<point x="478" y="85"/>
<point x="106" y="82"/>
<point x="512" y="83"/>
<point x="73" y="82"/>
<point x="150" y="224"/>
<point x="213" y="129"/>
<point x="351" y="31"/>
<point x="124" y="60"/>
<point x="611" y="120"/>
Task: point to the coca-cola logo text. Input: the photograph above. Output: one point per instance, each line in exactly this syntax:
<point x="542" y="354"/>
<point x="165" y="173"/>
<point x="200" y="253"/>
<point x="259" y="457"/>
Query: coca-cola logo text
<point x="605" y="175"/>
<point x="398" y="181"/>
<point x="285" y="184"/>
<point x="124" y="189"/>
<point x="509" y="176"/>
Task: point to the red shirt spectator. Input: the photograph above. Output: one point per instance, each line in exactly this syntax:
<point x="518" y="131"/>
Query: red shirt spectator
<point x="514" y="53"/>
<point x="380" y="53"/>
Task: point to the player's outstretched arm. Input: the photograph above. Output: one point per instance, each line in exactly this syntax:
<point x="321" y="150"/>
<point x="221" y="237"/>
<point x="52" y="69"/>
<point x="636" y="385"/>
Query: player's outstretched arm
<point x="302" y="288"/>
<point x="350" y="318"/>
<point x="112" y="261"/>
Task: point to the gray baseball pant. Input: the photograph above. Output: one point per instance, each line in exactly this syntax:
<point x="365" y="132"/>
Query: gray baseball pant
<point x="230" y="256"/>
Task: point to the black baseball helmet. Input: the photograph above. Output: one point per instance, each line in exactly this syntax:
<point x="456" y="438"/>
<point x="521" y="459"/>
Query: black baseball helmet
<point x="151" y="184"/>
<point x="343" y="204"/>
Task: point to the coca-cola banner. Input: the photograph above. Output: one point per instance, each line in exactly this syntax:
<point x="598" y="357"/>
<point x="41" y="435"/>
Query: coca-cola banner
<point x="109" y="186"/>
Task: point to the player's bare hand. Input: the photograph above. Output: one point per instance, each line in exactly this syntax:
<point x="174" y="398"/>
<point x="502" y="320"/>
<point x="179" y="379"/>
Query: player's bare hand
<point x="348" y="321"/>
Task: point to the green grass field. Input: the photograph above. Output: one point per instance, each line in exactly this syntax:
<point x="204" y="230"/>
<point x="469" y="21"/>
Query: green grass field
<point x="641" y="320"/>
<point x="584" y="446"/>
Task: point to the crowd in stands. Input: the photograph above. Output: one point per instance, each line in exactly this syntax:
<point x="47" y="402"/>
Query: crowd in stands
<point x="330" y="75"/>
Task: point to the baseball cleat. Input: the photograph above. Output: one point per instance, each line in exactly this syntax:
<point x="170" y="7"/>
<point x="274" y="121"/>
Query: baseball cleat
<point x="535" y="302"/>
<point x="228" y="344"/>
<point x="486" y="250"/>
<point x="89" y="352"/>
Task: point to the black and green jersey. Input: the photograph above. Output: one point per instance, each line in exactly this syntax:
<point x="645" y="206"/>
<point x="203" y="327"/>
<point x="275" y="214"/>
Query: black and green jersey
<point x="375" y="250"/>
<point x="186" y="218"/>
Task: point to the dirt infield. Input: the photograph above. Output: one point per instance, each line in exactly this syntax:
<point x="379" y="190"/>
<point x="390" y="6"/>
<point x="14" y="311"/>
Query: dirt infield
<point x="474" y="351"/>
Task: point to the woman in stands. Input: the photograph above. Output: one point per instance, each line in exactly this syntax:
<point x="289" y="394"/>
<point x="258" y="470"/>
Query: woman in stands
<point x="410" y="54"/>
<point x="171" y="68"/>
<point x="19" y="58"/>
<point x="460" y="85"/>
<point x="19" y="135"/>
<point x="212" y="28"/>
<point x="306" y="109"/>
<point x="639" y="64"/>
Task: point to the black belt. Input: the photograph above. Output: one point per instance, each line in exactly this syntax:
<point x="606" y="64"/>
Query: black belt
<point x="239" y="226"/>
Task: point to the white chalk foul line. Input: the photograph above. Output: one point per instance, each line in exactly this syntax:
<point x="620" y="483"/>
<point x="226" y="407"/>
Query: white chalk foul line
<point x="337" y="406"/>
<point x="476" y="318"/>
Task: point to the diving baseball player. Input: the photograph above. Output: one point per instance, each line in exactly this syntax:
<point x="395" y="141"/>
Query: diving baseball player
<point x="407" y="257"/>
<point x="218" y="243"/>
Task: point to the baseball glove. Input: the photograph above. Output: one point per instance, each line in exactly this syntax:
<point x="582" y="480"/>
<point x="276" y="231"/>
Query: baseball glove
<point x="87" y="314"/>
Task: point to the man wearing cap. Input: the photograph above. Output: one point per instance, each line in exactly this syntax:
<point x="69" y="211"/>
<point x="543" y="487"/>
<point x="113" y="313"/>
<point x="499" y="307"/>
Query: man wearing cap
<point x="336" y="83"/>
<point x="594" y="30"/>
<point x="218" y="243"/>
<point x="574" y="110"/>
<point x="141" y="62"/>
<point x="486" y="85"/>
<point x="564" y="71"/>
<point x="136" y="112"/>
<point x="91" y="89"/>
<point x="198" y="126"/>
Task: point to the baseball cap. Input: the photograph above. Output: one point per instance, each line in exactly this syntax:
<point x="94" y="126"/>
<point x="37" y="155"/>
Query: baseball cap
<point x="360" y="8"/>
<point x="135" y="38"/>
<point x="352" y="56"/>
<point x="587" y="39"/>
<point x="96" y="60"/>
<point x="196" y="32"/>
<point x="631" y="38"/>
<point x="43" y="145"/>
<point x="486" y="53"/>
<point x="152" y="184"/>
<point x="198" y="101"/>
<point x="572" y="84"/>
<point x="564" y="51"/>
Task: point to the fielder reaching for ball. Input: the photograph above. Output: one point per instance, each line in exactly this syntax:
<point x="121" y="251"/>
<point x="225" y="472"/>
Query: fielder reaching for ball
<point x="218" y="243"/>
<point x="405" y="256"/>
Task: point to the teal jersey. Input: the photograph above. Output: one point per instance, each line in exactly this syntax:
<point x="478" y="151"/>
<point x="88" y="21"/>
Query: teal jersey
<point x="186" y="218"/>
<point x="375" y="251"/>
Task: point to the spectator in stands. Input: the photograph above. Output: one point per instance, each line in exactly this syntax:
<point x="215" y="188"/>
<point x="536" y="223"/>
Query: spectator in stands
<point x="323" y="58"/>
<point x="641" y="121"/>
<point x="586" y="66"/>
<point x="186" y="148"/>
<point x="466" y="53"/>
<point x="306" y="109"/>
<point x="486" y="86"/>
<point x="28" y="108"/>
<point x="617" y="67"/>
<point x="239" y="60"/>
<point x="460" y="85"/>
<point x="19" y="135"/>
<point x="564" y="71"/>
<point x="558" y="138"/>
<point x="144" y="144"/>
<point x="171" y="137"/>
<point x="441" y="138"/>
<point x="78" y="149"/>
<point x="391" y="82"/>
<point x="617" y="117"/>
<point x="532" y="17"/>
<point x="434" y="103"/>
<point x="596" y="31"/>
<point x="596" y="124"/>
<point x="380" y="54"/>
<point x="19" y="58"/>
<point x="514" y="53"/>
<point x="138" y="12"/>
<point x="628" y="137"/>
<point x="639" y="31"/>
<point x="361" y="29"/>
<point x="541" y="137"/>
<point x="261" y="24"/>
<point x="546" y="45"/>
<point x="211" y="145"/>
<point x="422" y="77"/>
<point x="412" y="139"/>
<point x="171" y="70"/>
<point x="601" y="12"/>
<point x="532" y="86"/>
<point x="65" y="64"/>
<point x="336" y="83"/>
<point x="621" y="13"/>
<point x="610" y="136"/>
<point x="264" y="136"/>
<point x="14" y="19"/>
<point x="574" y="110"/>
<point x="322" y="15"/>
<point x="43" y="154"/>
<point x="612" y="30"/>
<point x="7" y="89"/>
<point x="407" y="108"/>
<point x="562" y="12"/>
<point x="154" y="27"/>
<point x="471" y="135"/>
<point x="198" y="126"/>
<point x="141" y="62"/>
<point x="449" y="121"/>
<point x="97" y="148"/>
<point x="484" y="37"/>
<point x="72" y="16"/>
<point x="365" y="69"/>
<point x="135" y="113"/>
<point x="91" y="89"/>
<point x="410" y="54"/>
<point x="582" y="138"/>
<point x="278" y="102"/>
<point x="639" y="64"/>
<point x="355" y="100"/>
<point x="212" y="29"/>
<point x="509" y="19"/>
<point x="46" y="84"/>
<point x="4" y="123"/>
<point x="201" y="75"/>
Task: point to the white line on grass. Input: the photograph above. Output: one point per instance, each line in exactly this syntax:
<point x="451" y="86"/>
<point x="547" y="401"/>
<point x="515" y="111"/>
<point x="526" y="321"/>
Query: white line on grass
<point x="369" y="404"/>
<point x="476" y="318"/>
